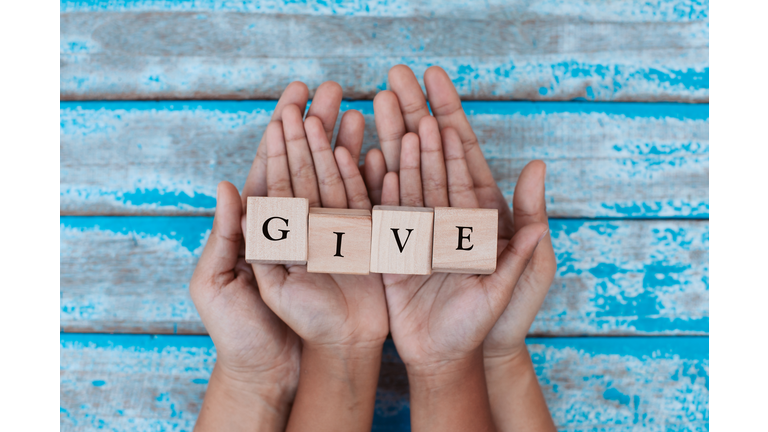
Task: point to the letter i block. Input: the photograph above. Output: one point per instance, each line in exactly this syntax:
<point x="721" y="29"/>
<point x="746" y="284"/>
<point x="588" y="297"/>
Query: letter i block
<point x="277" y="230"/>
<point x="465" y="240"/>
<point x="401" y="240"/>
<point x="339" y="241"/>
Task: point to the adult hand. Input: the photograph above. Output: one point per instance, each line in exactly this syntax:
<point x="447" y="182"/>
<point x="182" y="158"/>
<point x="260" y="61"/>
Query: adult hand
<point x="256" y="375"/>
<point x="404" y="110"/>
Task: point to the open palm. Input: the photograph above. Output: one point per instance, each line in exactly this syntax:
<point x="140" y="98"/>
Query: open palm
<point x="321" y="308"/>
<point x="443" y="317"/>
<point x="403" y="110"/>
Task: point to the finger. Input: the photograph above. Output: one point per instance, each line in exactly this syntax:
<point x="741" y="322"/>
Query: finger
<point x="461" y="191"/>
<point x="389" y="126"/>
<point x="330" y="184"/>
<point x="413" y="105"/>
<point x="296" y="93"/>
<point x="269" y="278"/>
<point x="513" y="261"/>
<point x="410" y="172"/>
<point x="373" y="171"/>
<point x="390" y="192"/>
<point x="529" y="207"/>
<point x="434" y="183"/>
<point x="351" y="133"/>
<point x="325" y="106"/>
<point x="446" y="107"/>
<point x="278" y="173"/>
<point x="354" y="186"/>
<point x="528" y="204"/>
<point x="303" y="177"/>
<point x="220" y="254"/>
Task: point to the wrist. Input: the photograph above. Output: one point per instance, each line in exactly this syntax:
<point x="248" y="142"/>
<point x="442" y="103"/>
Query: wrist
<point x="337" y="387"/>
<point x="234" y="403"/>
<point x="438" y="373"/>
<point x="515" y="394"/>
<point x="450" y="394"/>
<point x="516" y="360"/>
<point x="353" y="364"/>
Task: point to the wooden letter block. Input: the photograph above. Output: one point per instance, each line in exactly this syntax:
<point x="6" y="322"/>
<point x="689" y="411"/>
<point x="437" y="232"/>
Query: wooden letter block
<point x="465" y="240"/>
<point x="277" y="230"/>
<point x="339" y="241"/>
<point x="401" y="240"/>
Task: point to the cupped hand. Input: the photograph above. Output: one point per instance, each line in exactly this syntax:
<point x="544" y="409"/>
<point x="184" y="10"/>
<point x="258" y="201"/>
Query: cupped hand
<point x="252" y="343"/>
<point x="323" y="309"/>
<point x="402" y="112"/>
<point x="444" y="317"/>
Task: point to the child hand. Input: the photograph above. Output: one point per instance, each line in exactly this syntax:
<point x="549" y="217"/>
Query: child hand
<point x="341" y="319"/>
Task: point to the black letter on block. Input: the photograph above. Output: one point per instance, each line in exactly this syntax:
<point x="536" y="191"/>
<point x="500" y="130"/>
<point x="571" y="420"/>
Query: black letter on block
<point x="462" y="237"/>
<point x="265" y="231"/>
<point x="397" y="238"/>
<point x="338" y="244"/>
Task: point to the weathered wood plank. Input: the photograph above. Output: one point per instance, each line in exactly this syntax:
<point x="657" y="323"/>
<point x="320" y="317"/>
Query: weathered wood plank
<point x="143" y="382"/>
<point x="604" y="159"/>
<point x="534" y="50"/>
<point x="620" y="277"/>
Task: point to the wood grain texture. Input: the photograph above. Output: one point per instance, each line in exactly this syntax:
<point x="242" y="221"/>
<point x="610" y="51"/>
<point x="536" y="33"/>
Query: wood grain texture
<point x="533" y="50"/>
<point x="339" y="241"/>
<point x="604" y="159"/>
<point x="144" y="382"/>
<point x="465" y="240"/>
<point x="616" y="277"/>
<point x="401" y="240"/>
<point x="285" y="221"/>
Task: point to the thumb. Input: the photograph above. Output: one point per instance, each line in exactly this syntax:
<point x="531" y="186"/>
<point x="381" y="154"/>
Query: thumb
<point x="528" y="203"/>
<point x="221" y="252"/>
<point x="513" y="260"/>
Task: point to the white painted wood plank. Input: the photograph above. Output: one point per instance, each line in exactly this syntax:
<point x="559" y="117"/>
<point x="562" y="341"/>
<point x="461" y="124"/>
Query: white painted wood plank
<point x="604" y="159"/>
<point x="536" y="50"/>
<point x="143" y="382"/>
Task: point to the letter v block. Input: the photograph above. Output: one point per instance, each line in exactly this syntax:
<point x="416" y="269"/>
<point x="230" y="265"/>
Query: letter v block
<point x="401" y="240"/>
<point x="277" y="230"/>
<point x="465" y="240"/>
<point x="339" y="241"/>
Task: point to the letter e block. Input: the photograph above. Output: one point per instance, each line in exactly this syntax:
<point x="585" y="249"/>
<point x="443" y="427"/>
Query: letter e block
<point x="339" y="241"/>
<point x="465" y="240"/>
<point x="277" y="230"/>
<point x="401" y="240"/>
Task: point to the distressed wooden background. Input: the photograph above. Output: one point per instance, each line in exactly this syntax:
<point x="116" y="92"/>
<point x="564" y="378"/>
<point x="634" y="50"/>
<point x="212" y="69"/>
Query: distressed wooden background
<point x="163" y="99"/>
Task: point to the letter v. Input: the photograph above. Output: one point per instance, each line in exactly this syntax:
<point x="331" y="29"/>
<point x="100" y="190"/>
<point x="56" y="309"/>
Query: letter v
<point x="397" y="238"/>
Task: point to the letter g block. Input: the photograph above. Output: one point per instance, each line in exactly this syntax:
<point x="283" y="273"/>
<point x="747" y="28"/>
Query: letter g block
<point x="465" y="240"/>
<point x="277" y="230"/>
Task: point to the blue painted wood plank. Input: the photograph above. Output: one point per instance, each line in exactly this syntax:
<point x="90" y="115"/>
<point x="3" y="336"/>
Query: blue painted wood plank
<point x="604" y="159"/>
<point x="538" y="50"/>
<point x="144" y="382"/>
<point x="614" y="277"/>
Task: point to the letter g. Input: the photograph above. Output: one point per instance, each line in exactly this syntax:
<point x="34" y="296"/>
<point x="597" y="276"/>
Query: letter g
<point x="265" y="229"/>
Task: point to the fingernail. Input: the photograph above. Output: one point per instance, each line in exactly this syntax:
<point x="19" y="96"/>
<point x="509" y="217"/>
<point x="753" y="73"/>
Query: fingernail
<point x="544" y="234"/>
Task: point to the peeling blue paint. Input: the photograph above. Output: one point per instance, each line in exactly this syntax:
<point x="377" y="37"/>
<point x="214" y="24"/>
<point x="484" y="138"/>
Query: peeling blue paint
<point x="173" y="199"/>
<point x="191" y="232"/>
<point x="613" y="394"/>
<point x="631" y="110"/>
